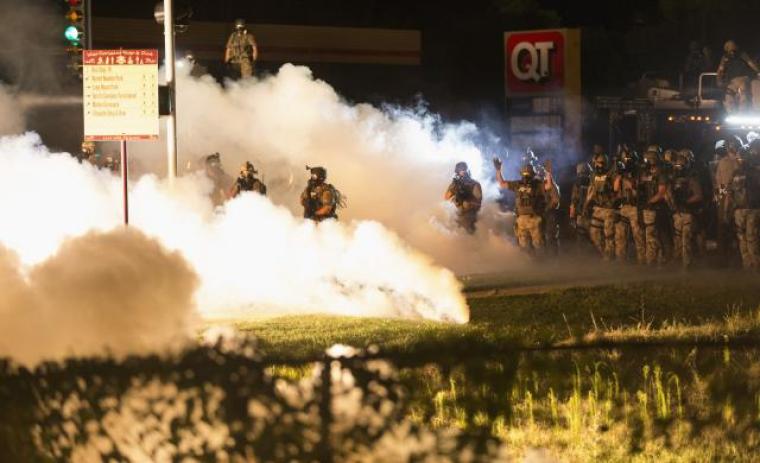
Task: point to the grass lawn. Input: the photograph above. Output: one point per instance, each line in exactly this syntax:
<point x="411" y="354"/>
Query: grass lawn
<point x="706" y="307"/>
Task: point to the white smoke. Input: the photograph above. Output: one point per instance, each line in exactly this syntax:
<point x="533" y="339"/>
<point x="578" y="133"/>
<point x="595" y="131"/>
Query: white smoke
<point x="252" y="257"/>
<point x="392" y="164"/>
<point x="119" y="292"/>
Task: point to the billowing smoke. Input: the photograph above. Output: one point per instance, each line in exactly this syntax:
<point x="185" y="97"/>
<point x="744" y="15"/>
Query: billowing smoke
<point x="392" y="164"/>
<point x="253" y="257"/>
<point x="119" y="292"/>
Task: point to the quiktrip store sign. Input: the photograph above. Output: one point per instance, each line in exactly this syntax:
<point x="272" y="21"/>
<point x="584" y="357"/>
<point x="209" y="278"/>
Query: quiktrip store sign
<point x="542" y="83"/>
<point x="535" y="62"/>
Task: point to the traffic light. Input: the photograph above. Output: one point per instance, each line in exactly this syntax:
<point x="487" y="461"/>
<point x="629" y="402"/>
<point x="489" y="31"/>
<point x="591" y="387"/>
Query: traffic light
<point x="74" y="34"/>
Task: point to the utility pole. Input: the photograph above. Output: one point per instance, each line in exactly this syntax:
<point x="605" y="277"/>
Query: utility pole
<point x="88" y="23"/>
<point x="171" y="119"/>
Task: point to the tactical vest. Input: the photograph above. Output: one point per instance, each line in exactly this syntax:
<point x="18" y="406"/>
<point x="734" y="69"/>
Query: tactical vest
<point x="315" y="201"/>
<point x="682" y="191"/>
<point x="580" y="193"/>
<point x="737" y="67"/>
<point x="529" y="198"/>
<point x="464" y="190"/>
<point x="603" y="191"/>
<point x="746" y="190"/>
<point x="250" y="183"/>
<point x="628" y="190"/>
<point x="649" y="183"/>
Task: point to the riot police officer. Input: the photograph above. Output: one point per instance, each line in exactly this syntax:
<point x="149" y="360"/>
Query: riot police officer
<point x="320" y="200"/>
<point x="627" y="197"/>
<point x="467" y="195"/>
<point x="532" y="194"/>
<point x="241" y="51"/>
<point x="247" y="181"/>
<point x="745" y="192"/>
<point x="653" y="195"/>
<point x="601" y="196"/>
<point x="686" y="199"/>
<point x="579" y="218"/>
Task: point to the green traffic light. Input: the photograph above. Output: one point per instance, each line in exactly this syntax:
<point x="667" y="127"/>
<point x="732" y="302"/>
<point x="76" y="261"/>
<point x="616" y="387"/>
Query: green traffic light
<point x="72" y="34"/>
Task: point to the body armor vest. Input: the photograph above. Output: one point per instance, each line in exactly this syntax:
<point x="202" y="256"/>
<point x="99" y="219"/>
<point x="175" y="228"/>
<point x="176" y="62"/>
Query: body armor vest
<point x="682" y="191"/>
<point x="649" y="183"/>
<point x="628" y="191"/>
<point x="603" y="192"/>
<point x="745" y="188"/>
<point x="529" y="198"/>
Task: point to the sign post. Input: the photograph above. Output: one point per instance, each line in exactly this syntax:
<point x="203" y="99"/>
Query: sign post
<point x="121" y="100"/>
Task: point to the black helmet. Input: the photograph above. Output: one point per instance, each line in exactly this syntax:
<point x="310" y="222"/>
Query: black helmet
<point x="682" y="160"/>
<point x="319" y="172"/>
<point x="600" y="163"/>
<point x="628" y="157"/>
<point x="582" y="170"/>
<point x="652" y="155"/>
<point x="247" y="169"/>
<point x="240" y="24"/>
<point x="721" y="147"/>
<point x="527" y="171"/>
<point x="213" y="159"/>
<point x="461" y="167"/>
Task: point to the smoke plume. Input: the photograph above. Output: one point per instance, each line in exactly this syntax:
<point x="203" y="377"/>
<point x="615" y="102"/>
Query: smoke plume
<point x="393" y="164"/>
<point x="118" y="292"/>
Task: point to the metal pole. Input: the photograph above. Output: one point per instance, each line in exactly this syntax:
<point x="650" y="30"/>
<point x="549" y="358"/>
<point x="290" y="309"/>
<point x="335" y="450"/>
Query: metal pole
<point x="124" y="174"/>
<point x="171" y="120"/>
<point x="88" y="23"/>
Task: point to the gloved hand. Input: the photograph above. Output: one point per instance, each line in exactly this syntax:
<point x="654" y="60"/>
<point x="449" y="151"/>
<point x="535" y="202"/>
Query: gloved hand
<point x="497" y="163"/>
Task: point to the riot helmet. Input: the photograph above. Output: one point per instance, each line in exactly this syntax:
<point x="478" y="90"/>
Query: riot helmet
<point x="247" y="169"/>
<point x="317" y="173"/>
<point x="527" y="171"/>
<point x="240" y="24"/>
<point x="461" y="169"/>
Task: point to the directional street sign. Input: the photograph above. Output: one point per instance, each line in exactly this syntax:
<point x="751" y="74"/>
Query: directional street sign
<point x="120" y="95"/>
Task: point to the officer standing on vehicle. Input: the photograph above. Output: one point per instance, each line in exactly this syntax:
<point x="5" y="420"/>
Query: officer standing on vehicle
<point x="241" y="51"/>
<point x="247" y="181"/>
<point x="467" y="195"/>
<point x="737" y="73"/>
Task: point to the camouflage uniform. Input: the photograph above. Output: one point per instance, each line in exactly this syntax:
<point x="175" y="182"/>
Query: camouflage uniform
<point x="604" y="217"/>
<point x="724" y="173"/>
<point x="580" y="221"/>
<point x="467" y="196"/>
<point x="745" y="190"/>
<point x="241" y="51"/>
<point x="530" y="203"/>
<point x="684" y="187"/>
<point x="649" y="183"/>
<point x="629" y="221"/>
<point x="248" y="183"/>
<point x="317" y="196"/>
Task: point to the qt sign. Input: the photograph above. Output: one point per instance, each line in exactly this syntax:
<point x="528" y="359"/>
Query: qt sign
<point x="535" y="62"/>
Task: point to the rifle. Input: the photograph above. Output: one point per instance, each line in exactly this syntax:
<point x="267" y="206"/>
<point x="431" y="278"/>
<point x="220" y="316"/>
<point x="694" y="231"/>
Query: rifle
<point x="460" y="191"/>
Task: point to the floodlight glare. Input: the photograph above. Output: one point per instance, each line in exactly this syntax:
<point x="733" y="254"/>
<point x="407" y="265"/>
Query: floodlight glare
<point x="743" y="119"/>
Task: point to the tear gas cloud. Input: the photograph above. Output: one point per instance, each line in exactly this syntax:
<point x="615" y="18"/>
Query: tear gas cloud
<point x="393" y="164"/>
<point x="256" y="256"/>
<point x="251" y="258"/>
<point x="119" y="292"/>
